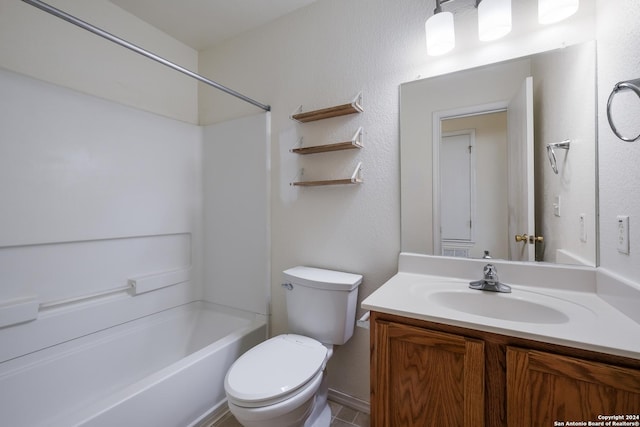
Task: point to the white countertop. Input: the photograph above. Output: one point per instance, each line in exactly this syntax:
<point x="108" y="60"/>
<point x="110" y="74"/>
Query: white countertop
<point x="590" y="323"/>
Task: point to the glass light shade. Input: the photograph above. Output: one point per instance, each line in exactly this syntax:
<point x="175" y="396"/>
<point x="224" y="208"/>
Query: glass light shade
<point x="494" y="19"/>
<point x="550" y="11"/>
<point x="440" y="33"/>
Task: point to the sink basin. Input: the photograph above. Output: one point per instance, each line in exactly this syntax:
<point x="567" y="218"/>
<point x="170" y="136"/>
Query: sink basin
<point x="447" y="297"/>
<point x="498" y="306"/>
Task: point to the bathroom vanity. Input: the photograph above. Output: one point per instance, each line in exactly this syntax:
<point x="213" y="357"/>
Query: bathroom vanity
<point x="448" y="356"/>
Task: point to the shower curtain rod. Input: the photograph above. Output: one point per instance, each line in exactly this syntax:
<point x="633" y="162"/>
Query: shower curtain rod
<point x="95" y="30"/>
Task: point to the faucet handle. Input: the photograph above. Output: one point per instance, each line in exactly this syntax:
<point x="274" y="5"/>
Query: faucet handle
<point x="490" y="273"/>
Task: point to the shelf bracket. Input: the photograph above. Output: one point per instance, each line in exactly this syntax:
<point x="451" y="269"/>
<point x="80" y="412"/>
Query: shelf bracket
<point x="357" y="101"/>
<point x="296" y="111"/>
<point x="357" y="137"/>
<point x="356" y="176"/>
<point x="298" y="145"/>
<point x="298" y="177"/>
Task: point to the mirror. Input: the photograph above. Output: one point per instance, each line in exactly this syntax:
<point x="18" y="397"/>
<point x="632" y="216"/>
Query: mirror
<point x="503" y="158"/>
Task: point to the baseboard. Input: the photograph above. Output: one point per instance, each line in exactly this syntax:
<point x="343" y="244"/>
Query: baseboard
<point x="349" y="401"/>
<point x="210" y="419"/>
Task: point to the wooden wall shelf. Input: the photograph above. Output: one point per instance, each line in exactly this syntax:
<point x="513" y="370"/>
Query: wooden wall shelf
<point x="355" y="143"/>
<point x="348" y="145"/>
<point x="327" y="182"/>
<point x="339" y="110"/>
<point x="354" y="179"/>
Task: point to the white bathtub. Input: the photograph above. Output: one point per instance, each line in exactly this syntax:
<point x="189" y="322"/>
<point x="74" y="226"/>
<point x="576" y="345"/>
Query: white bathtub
<point x="162" y="370"/>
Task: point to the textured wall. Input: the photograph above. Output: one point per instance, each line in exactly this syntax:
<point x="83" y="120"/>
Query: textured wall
<point x="323" y="55"/>
<point x="618" y="59"/>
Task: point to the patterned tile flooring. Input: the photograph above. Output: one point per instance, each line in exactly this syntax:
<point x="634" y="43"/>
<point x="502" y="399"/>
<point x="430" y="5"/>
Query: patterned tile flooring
<point x="341" y="416"/>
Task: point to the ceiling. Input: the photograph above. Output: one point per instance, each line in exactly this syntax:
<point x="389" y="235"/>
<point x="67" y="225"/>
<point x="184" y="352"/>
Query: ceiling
<point x="203" y="23"/>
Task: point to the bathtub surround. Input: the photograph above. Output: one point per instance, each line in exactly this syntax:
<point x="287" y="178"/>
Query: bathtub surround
<point x="236" y="214"/>
<point x="94" y="194"/>
<point x="102" y="217"/>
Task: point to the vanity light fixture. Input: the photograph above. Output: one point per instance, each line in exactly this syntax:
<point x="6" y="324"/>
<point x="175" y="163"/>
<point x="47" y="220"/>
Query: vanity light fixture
<point x="550" y="11"/>
<point x="440" y="32"/>
<point x="494" y="19"/>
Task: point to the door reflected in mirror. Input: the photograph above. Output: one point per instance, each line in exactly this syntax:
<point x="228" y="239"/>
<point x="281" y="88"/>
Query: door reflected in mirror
<point x="476" y="175"/>
<point x="473" y="186"/>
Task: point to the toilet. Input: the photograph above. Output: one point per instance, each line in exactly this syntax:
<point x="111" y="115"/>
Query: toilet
<point x="282" y="381"/>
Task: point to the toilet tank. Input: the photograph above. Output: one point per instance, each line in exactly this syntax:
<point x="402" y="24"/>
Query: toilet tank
<point x="321" y="304"/>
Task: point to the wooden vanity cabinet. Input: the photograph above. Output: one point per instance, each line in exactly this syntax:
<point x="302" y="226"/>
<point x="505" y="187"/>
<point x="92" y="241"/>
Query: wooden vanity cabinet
<point x="417" y="369"/>
<point x="545" y="388"/>
<point x="429" y="374"/>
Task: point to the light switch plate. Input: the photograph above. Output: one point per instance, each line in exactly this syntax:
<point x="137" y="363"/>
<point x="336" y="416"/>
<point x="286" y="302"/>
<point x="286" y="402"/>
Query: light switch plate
<point x="623" y="234"/>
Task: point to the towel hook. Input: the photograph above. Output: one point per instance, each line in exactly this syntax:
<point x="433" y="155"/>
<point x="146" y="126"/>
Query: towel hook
<point x="552" y="154"/>
<point x="633" y="85"/>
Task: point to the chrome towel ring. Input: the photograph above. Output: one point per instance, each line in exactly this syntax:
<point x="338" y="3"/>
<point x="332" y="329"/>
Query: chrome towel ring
<point x="552" y="154"/>
<point x="633" y="85"/>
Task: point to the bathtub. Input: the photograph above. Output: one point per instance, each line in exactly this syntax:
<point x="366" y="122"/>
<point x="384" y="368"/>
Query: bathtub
<point x="162" y="370"/>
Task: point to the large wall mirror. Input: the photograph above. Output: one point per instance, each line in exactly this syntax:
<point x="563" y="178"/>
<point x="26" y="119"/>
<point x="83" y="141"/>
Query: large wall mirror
<point x="501" y="160"/>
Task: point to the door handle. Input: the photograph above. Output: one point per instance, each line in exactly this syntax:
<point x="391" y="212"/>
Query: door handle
<point x="522" y="238"/>
<point x="536" y="239"/>
<point x="531" y="239"/>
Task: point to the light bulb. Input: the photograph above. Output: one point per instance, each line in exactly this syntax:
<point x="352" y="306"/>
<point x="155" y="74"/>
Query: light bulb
<point x="440" y="33"/>
<point x="550" y="11"/>
<point x="494" y="19"/>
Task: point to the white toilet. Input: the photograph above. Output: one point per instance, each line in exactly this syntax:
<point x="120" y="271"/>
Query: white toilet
<point x="281" y="382"/>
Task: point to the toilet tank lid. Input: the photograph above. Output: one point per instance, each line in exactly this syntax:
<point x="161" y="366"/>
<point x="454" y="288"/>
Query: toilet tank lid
<point x="322" y="279"/>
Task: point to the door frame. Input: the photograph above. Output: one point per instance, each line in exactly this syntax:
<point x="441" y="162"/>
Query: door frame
<point x="437" y="117"/>
<point x="472" y="182"/>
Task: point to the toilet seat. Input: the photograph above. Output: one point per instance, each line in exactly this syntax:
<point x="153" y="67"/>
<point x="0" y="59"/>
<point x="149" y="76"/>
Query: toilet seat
<point x="275" y="370"/>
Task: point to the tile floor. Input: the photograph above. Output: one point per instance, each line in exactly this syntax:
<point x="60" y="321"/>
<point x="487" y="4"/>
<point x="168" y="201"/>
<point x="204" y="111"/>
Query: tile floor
<point x="341" y="416"/>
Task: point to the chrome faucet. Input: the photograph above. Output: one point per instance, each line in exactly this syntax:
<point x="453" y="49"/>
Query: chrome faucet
<point x="490" y="281"/>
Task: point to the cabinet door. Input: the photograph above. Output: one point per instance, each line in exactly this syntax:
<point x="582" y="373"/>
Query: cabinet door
<point x="545" y="389"/>
<point x="424" y="378"/>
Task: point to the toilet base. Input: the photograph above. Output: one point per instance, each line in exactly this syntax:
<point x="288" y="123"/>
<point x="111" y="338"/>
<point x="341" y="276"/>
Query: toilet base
<point x="324" y="419"/>
<point x="321" y="413"/>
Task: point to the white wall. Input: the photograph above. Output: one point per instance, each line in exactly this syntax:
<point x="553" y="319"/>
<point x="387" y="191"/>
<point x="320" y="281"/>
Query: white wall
<point x="618" y="59"/>
<point x="39" y="45"/>
<point x="323" y="55"/>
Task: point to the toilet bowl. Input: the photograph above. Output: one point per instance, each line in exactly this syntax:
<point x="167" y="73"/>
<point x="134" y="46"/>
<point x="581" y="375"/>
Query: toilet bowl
<point x="276" y="383"/>
<point x="282" y="382"/>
